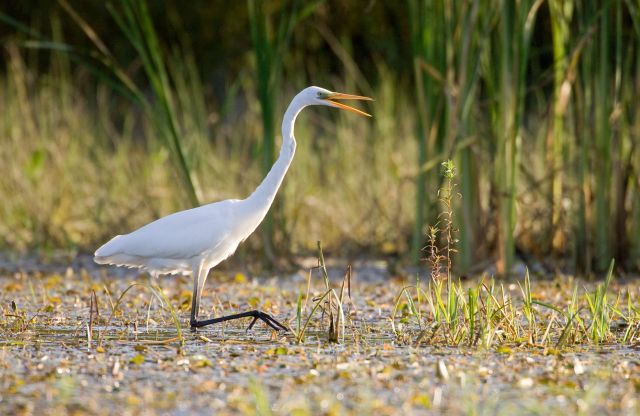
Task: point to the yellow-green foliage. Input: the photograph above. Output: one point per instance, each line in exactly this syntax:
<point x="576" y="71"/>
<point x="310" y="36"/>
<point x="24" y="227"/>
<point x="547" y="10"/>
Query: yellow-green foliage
<point x="72" y="177"/>
<point x="535" y="102"/>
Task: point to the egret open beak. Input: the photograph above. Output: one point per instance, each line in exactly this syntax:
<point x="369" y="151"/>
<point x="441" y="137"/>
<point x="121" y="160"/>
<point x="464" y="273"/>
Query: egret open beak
<point x="331" y="98"/>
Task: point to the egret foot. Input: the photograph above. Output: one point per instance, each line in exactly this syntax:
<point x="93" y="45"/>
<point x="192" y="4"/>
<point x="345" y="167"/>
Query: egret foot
<point x="267" y="319"/>
<point x="256" y="314"/>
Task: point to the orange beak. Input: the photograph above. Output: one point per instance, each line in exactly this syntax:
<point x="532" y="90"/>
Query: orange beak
<point x="340" y="96"/>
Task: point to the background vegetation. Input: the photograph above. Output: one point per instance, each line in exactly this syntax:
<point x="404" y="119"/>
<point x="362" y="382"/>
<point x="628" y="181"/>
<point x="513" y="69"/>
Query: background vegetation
<point x="115" y="115"/>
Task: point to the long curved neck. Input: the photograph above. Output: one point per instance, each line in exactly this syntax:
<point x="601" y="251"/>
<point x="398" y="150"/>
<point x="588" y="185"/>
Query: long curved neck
<point x="266" y="191"/>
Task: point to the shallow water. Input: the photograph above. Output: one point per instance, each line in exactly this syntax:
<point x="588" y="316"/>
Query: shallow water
<point x="135" y="364"/>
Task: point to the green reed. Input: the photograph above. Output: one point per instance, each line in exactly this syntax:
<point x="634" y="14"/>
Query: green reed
<point x="271" y="31"/>
<point x="542" y="126"/>
<point x="134" y="20"/>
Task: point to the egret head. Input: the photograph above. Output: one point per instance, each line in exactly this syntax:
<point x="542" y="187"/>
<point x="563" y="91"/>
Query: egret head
<point x="321" y="96"/>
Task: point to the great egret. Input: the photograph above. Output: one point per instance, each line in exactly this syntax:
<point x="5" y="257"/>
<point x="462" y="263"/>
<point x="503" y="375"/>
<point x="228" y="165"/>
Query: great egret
<point x="195" y="240"/>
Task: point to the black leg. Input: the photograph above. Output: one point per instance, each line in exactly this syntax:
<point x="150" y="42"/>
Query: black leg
<point x="195" y="302"/>
<point x="264" y="317"/>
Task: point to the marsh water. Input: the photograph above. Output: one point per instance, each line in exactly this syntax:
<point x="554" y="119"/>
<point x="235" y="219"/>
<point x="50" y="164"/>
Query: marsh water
<point x="59" y="353"/>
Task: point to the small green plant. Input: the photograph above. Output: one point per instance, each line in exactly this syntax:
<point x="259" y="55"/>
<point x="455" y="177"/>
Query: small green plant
<point x="569" y="333"/>
<point x="329" y="303"/>
<point x="471" y="312"/>
<point x="631" y="319"/>
<point x="410" y="308"/>
<point x="527" y="306"/>
<point x="159" y="294"/>
<point x="446" y="228"/>
<point x="445" y="307"/>
<point x="600" y="309"/>
<point x="480" y="317"/>
<point x="445" y="196"/>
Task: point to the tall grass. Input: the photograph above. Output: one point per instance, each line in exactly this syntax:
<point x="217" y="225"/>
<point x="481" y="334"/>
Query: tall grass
<point x="583" y="104"/>
<point x="505" y="75"/>
<point x="133" y="18"/>
<point x="560" y="13"/>
<point x="584" y="150"/>
<point x="64" y="182"/>
<point x="602" y="140"/>
<point x="543" y="127"/>
<point x="81" y="167"/>
<point x="270" y="36"/>
<point x="631" y="131"/>
<point x="446" y="42"/>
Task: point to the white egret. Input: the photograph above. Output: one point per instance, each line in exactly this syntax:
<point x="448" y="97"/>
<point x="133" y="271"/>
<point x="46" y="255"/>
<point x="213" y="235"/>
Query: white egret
<point x="195" y="240"/>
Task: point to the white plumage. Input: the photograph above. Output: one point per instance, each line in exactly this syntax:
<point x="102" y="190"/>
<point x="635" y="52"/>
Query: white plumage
<point x="195" y="240"/>
<point x="170" y="244"/>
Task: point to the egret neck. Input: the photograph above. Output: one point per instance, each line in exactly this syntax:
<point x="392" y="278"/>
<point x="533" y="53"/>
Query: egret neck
<point x="264" y="195"/>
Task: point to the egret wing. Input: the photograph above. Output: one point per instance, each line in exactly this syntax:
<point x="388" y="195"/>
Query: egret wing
<point x="182" y="235"/>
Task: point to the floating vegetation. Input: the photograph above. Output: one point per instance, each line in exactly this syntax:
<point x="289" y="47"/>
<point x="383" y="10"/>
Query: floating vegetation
<point x="555" y="338"/>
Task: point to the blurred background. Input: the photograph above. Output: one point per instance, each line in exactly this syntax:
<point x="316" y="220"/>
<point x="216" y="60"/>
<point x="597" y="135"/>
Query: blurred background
<point x="114" y="114"/>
